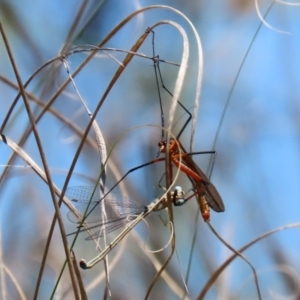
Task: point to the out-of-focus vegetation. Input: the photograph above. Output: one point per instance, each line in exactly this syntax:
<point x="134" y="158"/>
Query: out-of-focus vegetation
<point x="251" y="123"/>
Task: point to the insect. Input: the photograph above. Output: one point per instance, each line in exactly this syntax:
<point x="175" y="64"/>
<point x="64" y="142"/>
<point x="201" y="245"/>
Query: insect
<point x="208" y="195"/>
<point x="119" y="215"/>
<point x="120" y="211"/>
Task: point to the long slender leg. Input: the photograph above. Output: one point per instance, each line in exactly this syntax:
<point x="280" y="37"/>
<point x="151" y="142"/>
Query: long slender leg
<point x="128" y="172"/>
<point x="157" y="72"/>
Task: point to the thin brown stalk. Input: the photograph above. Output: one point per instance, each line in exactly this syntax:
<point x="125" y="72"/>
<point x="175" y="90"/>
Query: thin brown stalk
<point x="79" y="278"/>
<point x="216" y="274"/>
<point x="75" y="24"/>
<point x="240" y="255"/>
<point x="168" y="167"/>
<point x="113" y="81"/>
<point x="42" y="154"/>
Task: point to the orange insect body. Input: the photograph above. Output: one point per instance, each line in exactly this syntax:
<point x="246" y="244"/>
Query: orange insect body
<point x="208" y="195"/>
<point x="204" y="208"/>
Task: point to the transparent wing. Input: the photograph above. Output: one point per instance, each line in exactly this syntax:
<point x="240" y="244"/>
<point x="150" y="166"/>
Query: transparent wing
<point x="118" y="209"/>
<point x="110" y="227"/>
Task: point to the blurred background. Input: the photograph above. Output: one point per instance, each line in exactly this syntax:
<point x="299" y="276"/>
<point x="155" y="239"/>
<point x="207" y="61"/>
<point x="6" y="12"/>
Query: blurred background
<point x="255" y="133"/>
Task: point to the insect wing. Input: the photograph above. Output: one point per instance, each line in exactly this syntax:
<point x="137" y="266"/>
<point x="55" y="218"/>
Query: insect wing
<point x="213" y="197"/>
<point x="111" y="214"/>
<point x="81" y="196"/>
<point x="110" y="227"/>
<point x="94" y="216"/>
<point x="82" y="193"/>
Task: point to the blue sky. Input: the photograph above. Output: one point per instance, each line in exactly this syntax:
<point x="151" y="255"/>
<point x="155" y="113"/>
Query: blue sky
<point x="256" y="169"/>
